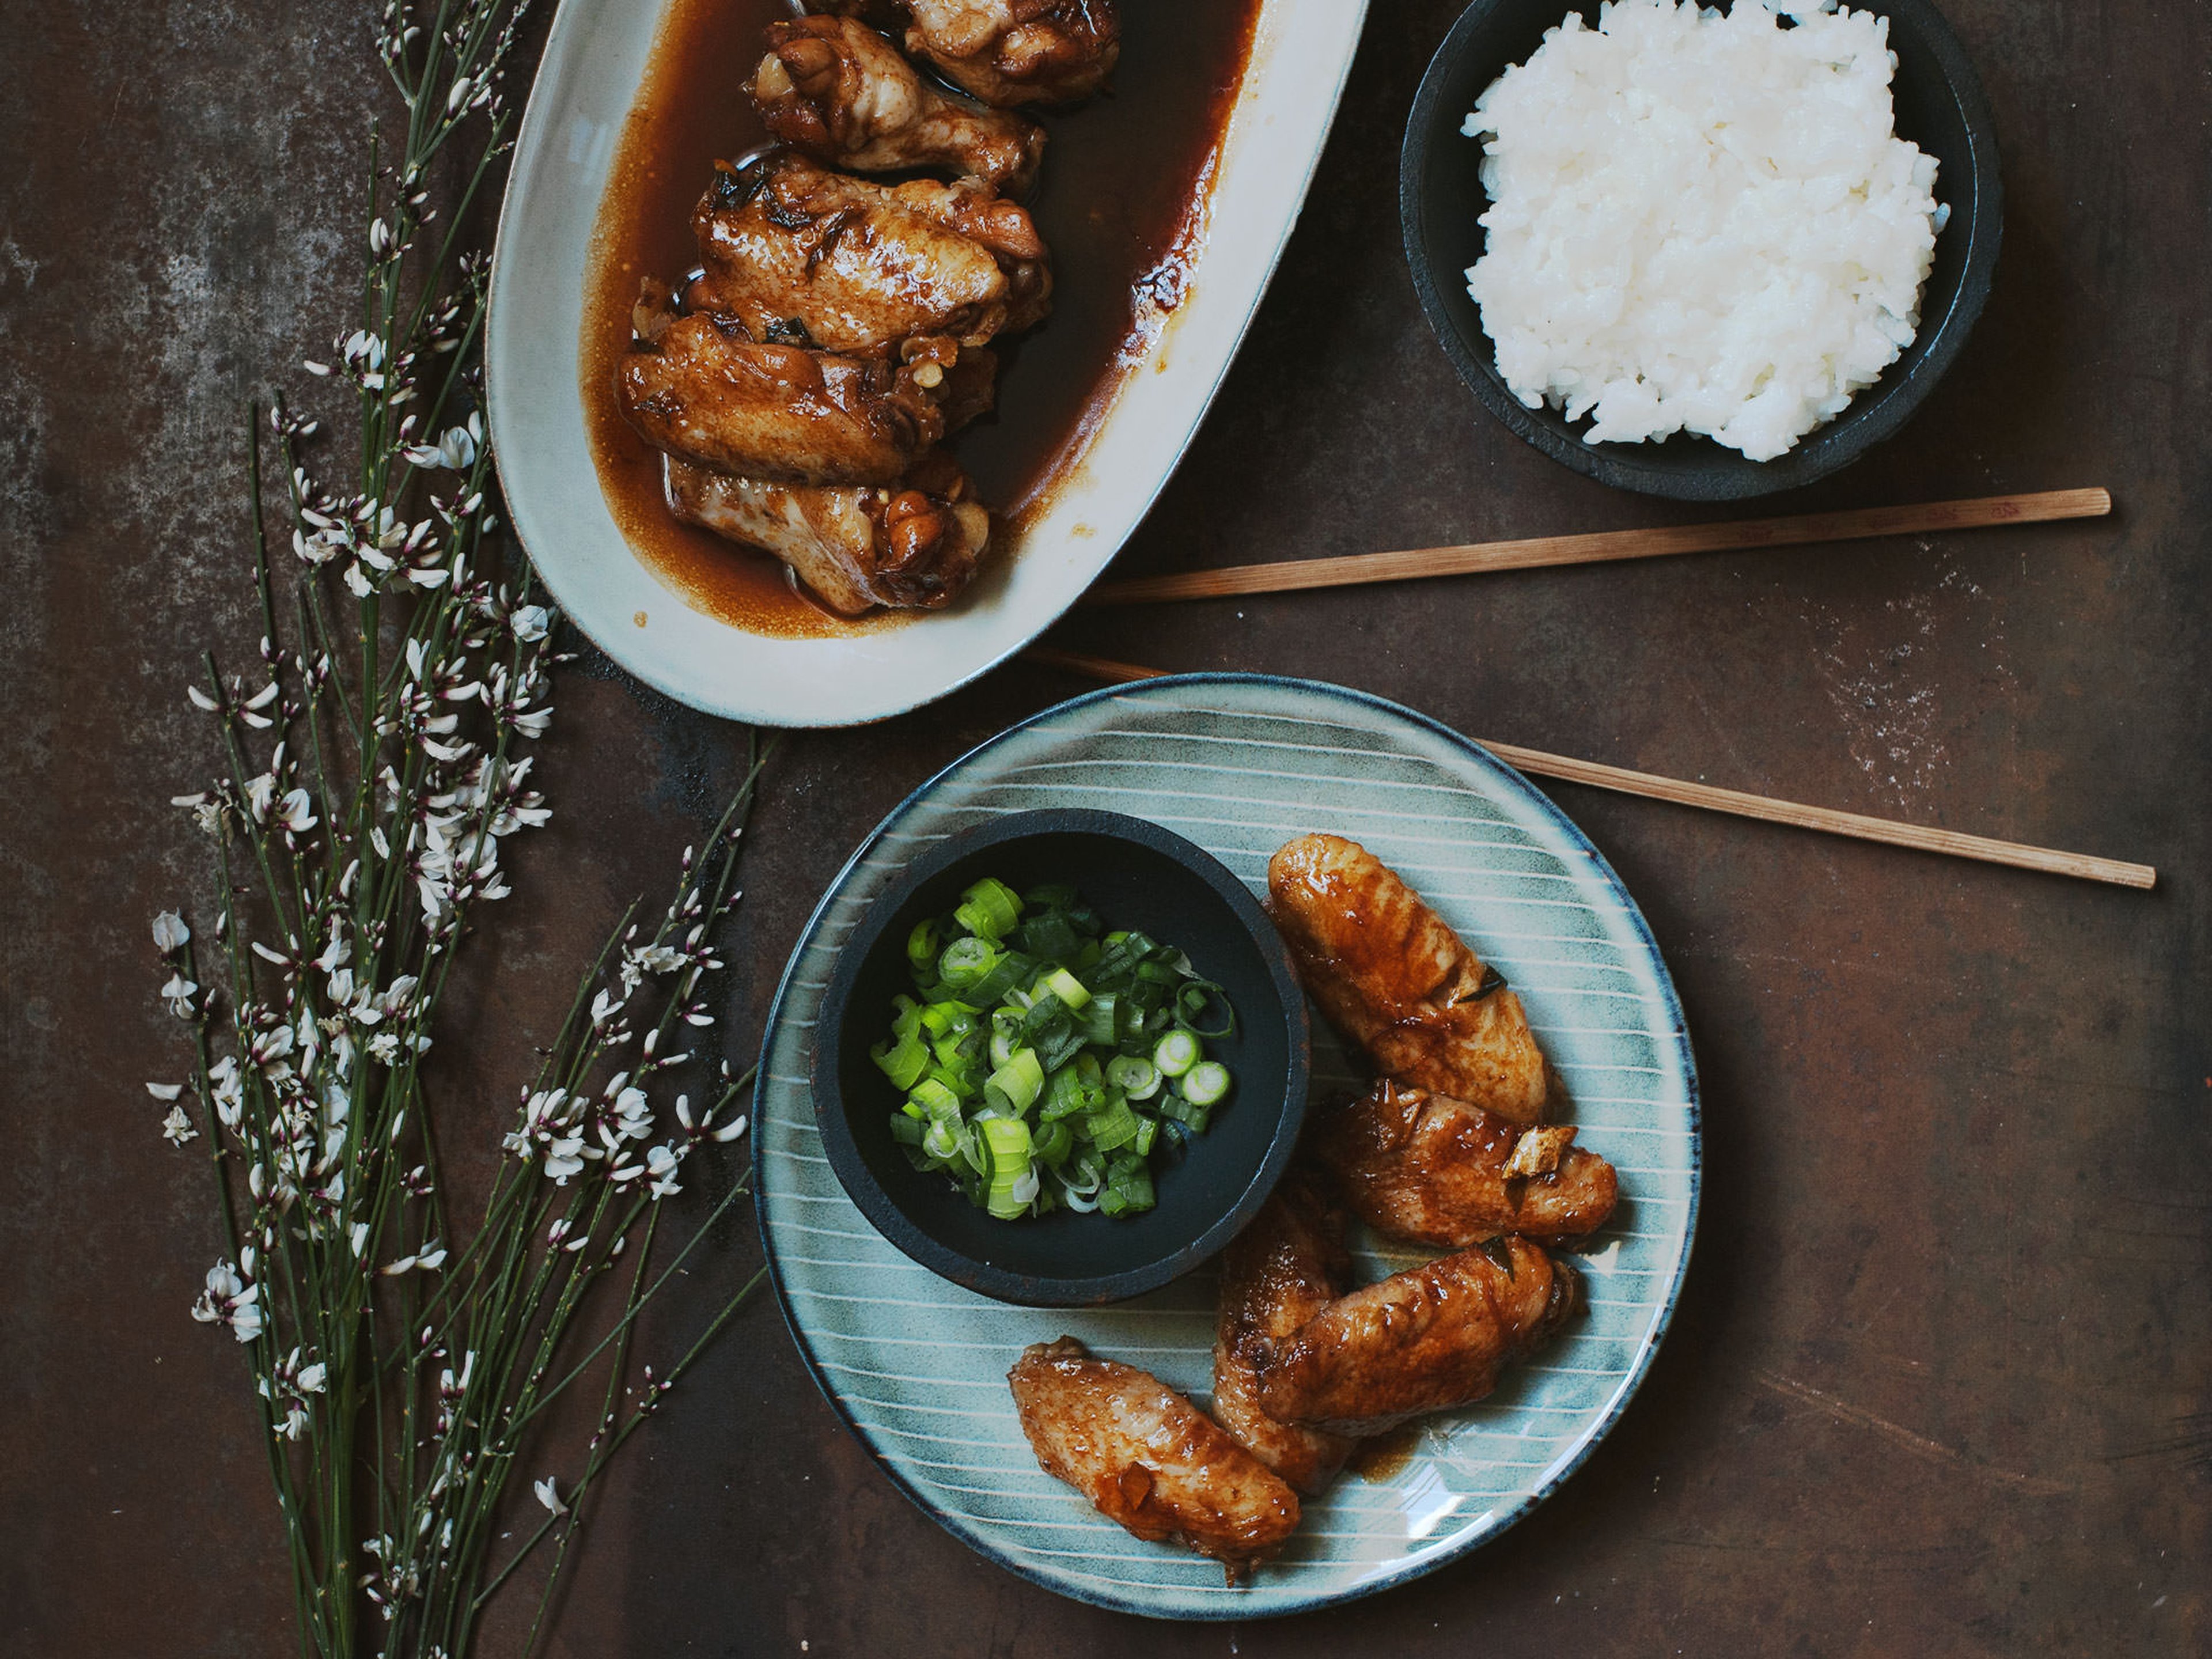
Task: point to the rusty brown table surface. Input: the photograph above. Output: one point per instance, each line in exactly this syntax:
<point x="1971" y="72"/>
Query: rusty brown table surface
<point x="1945" y="1339"/>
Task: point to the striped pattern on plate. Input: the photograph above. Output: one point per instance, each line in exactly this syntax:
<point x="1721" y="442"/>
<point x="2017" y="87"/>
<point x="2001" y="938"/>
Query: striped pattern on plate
<point x="1239" y="764"/>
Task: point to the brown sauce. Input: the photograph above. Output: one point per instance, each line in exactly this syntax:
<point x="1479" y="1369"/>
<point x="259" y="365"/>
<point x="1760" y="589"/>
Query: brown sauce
<point x="1121" y="204"/>
<point x="1384" y="1455"/>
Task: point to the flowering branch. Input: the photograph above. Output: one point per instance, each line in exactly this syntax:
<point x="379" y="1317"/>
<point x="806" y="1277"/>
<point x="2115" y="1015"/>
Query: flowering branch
<point x="374" y="770"/>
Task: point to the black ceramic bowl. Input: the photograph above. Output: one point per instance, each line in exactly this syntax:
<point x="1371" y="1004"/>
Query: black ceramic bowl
<point x="1134" y="874"/>
<point x="1440" y="196"/>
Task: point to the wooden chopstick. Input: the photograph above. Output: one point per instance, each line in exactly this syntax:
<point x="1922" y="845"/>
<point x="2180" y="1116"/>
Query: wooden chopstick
<point x="1476" y="556"/>
<point x="1651" y="787"/>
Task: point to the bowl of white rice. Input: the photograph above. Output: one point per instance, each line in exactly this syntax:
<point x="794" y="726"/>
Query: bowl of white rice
<point x="1708" y="253"/>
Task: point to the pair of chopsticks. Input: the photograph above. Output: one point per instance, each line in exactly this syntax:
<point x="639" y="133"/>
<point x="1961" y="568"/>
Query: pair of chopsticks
<point x="1651" y="544"/>
<point x="1472" y="558"/>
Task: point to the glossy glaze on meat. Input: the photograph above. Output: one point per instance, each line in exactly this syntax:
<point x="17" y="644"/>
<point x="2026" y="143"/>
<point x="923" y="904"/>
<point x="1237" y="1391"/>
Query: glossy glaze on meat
<point x="856" y="545"/>
<point x="1277" y="1274"/>
<point x="840" y="91"/>
<point x="1007" y="52"/>
<point x="1427" y="1339"/>
<point x="1435" y="1170"/>
<point x="1147" y="1458"/>
<point x="792" y="252"/>
<point x="710" y="395"/>
<point x="1391" y="973"/>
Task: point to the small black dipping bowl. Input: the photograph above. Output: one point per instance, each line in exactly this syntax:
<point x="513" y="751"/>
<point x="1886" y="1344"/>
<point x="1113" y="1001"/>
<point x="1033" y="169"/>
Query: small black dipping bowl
<point x="1939" y="106"/>
<point x="1134" y="874"/>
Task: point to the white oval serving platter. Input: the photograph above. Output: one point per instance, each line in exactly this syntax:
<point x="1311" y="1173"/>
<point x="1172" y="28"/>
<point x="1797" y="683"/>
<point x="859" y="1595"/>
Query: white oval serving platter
<point x="594" y="64"/>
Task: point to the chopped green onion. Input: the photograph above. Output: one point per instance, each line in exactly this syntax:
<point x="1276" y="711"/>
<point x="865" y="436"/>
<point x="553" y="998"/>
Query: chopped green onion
<point x="1054" y="1141"/>
<point x="1128" y="1191"/>
<point x="1177" y="1052"/>
<point x="902" y="1061"/>
<point x="1134" y="1076"/>
<point x="967" y="963"/>
<point x="1206" y="1083"/>
<point x="1065" y="985"/>
<point x="937" y="1098"/>
<point x="989" y="909"/>
<point x="1037" y="1036"/>
<point x="1015" y="1085"/>
<point x="1006" y="1143"/>
<point x="1115" y="1126"/>
<point x="1191" y="1003"/>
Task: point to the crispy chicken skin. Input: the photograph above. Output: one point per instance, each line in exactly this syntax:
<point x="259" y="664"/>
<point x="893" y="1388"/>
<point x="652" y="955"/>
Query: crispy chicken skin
<point x="792" y="252"/>
<point x="1009" y="52"/>
<point x="856" y="545"/>
<point x="838" y="90"/>
<point x="1390" y="973"/>
<point x="710" y="395"/>
<point x="1423" y="1340"/>
<point x="1435" y="1170"/>
<point x="1147" y="1458"/>
<point x="1281" y="1271"/>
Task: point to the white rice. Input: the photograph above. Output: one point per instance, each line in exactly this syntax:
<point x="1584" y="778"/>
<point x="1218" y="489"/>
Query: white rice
<point x="1701" y="221"/>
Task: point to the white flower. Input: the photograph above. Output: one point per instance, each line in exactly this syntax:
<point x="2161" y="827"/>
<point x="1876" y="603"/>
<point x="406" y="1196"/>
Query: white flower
<point x="358" y="1237"/>
<point x="296" y="813"/>
<point x="229" y="1300"/>
<point x="229" y="1090"/>
<point x="548" y="1493"/>
<point x="531" y="622"/>
<point x="177" y="1128"/>
<point x="662" y="1162"/>
<point x="456" y="452"/>
<point x="170" y="933"/>
<point x="180" y="992"/>
<point x="165" y="1091"/>
<point x="311" y="1377"/>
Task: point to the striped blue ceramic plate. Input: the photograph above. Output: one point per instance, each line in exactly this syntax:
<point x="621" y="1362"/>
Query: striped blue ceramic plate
<point x="1239" y="764"/>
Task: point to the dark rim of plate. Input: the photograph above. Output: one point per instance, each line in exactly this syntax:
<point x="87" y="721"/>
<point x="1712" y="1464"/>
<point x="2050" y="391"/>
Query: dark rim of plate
<point x="1411" y="1566"/>
<point x="1710" y="471"/>
<point x="1008" y="1284"/>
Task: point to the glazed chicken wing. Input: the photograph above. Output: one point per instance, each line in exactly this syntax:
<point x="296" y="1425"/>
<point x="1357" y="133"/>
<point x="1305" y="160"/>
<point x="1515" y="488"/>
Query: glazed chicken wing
<point x="1147" y="1458"/>
<point x="1277" y="1273"/>
<point x="838" y="90"/>
<point x="1423" y="1340"/>
<point x="794" y="252"/>
<point x="1009" y="52"/>
<point x="856" y="545"/>
<point x="1436" y="1170"/>
<point x="1390" y="973"/>
<point x="707" y="394"/>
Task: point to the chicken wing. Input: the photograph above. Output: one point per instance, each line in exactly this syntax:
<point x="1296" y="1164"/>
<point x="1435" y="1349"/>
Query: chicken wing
<point x="1436" y="1170"/>
<point x="1389" y="971"/>
<point x="856" y="545"/>
<point x="1423" y="1340"/>
<point x="707" y="394"/>
<point x="838" y="90"/>
<point x="794" y="252"/>
<point x="1147" y="1458"/>
<point x="1009" y="52"/>
<point x="1281" y="1271"/>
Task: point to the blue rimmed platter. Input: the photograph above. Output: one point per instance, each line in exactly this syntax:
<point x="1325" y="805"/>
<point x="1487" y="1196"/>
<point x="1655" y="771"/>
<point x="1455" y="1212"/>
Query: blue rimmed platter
<point x="1240" y="763"/>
